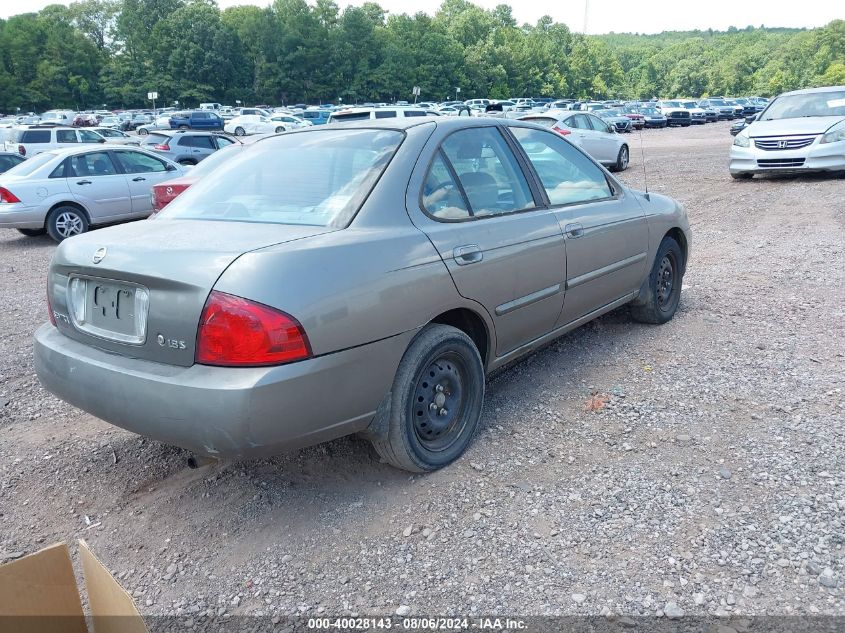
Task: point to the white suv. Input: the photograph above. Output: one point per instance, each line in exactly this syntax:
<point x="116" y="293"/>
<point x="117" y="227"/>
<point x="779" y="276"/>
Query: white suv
<point x="30" y="141"/>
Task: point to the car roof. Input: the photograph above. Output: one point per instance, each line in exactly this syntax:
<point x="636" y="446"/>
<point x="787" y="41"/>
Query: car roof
<point x="188" y="133"/>
<point x="88" y="147"/>
<point x="807" y="91"/>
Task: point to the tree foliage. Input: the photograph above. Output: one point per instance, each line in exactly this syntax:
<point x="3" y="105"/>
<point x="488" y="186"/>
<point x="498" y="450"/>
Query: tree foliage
<point x="113" y="52"/>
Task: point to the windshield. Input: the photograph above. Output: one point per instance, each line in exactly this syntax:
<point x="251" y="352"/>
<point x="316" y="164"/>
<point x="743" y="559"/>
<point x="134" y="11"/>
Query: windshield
<point x="31" y="165"/>
<point x="830" y="103"/>
<point x="215" y="160"/>
<point x="317" y="178"/>
<point x="689" y="106"/>
<point x="670" y="104"/>
<point x="648" y="111"/>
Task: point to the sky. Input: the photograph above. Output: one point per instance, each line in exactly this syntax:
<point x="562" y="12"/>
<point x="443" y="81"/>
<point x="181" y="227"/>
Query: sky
<point x="605" y="16"/>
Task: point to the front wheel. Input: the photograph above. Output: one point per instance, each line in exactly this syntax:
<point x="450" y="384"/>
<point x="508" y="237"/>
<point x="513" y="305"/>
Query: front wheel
<point x="239" y="131"/>
<point x="741" y="175"/>
<point x="143" y="131"/>
<point x="65" y="222"/>
<point x="622" y="159"/>
<point x="435" y="403"/>
<point x="280" y="129"/>
<point x="659" y="302"/>
<point x="183" y="127"/>
<point x="32" y="232"/>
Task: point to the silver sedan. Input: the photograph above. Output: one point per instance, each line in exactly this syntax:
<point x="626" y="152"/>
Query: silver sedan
<point x="358" y="278"/>
<point x="589" y="132"/>
<point x="64" y="192"/>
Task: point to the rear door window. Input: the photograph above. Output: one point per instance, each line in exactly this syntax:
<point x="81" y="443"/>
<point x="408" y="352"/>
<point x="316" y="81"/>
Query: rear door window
<point x="388" y="114"/>
<point x="489" y="174"/>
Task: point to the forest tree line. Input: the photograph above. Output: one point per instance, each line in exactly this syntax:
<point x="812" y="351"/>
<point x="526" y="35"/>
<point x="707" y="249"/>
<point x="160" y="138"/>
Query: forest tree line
<point x="96" y="53"/>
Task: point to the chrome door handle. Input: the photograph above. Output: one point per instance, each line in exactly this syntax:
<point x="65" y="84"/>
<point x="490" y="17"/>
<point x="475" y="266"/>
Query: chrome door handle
<point x="468" y="254"/>
<point x="83" y="182"/>
<point x="574" y="230"/>
<point x="138" y="179"/>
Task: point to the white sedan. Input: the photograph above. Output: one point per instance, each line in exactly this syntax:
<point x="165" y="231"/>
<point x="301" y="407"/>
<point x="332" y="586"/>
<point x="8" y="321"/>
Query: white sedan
<point x="253" y="124"/>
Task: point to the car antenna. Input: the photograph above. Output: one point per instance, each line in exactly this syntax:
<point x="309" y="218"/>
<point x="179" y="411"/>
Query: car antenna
<point x="645" y="172"/>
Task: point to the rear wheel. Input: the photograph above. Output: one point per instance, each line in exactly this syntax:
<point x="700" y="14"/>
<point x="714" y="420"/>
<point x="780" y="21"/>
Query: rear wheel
<point x="435" y="403"/>
<point x="239" y="131"/>
<point x="187" y="161"/>
<point x="280" y="129"/>
<point x="143" y="131"/>
<point x="183" y="127"/>
<point x="622" y="159"/>
<point x="663" y="289"/>
<point x="33" y="232"/>
<point x="65" y="222"/>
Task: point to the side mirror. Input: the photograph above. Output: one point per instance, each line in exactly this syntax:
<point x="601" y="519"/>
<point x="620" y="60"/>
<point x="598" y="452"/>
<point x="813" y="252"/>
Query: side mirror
<point x="102" y="140"/>
<point x="170" y="167"/>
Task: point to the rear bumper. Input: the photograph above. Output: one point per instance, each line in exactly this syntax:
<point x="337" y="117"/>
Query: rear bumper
<point x="220" y="411"/>
<point x="20" y="216"/>
<point x="815" y="157"/>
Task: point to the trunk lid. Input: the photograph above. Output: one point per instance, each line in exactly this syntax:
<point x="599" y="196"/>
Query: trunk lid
<point x="175" y="262"/>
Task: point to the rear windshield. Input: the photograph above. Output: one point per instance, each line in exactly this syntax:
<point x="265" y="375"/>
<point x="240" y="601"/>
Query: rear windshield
<point x="540" y="120"/>
<point x="319" y="177"/>
<point x="30" y="165"/>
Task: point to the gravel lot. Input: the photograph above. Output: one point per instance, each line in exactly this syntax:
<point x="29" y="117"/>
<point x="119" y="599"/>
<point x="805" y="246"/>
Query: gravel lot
<point x="711" y="482"/>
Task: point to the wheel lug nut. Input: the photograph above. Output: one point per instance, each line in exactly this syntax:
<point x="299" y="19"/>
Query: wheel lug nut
<point x="432" y="407"/>
<point x="439" y="388"/>
<point x="443" y="412"/>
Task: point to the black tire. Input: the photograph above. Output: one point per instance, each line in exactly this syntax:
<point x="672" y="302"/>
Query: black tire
<point x="239" y="131"/>
<point x="186" y="161"/>
<point x="280" y="129"/>
<point x="143" y="131"/>
<point x="742" y="175"/>
<point x="659" y="302"/>
<point x="622" y="159"/>
<point x="66" y="221"/>
<point x="33" y="232"/>
<point x="183" y="127"/>
<point x="441" y="368"/>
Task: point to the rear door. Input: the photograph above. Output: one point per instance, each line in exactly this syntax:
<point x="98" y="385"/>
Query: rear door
<point x="502" y="251"/>
<point x="198" y="146"/>
<point x="603" y="139"/>
<point x="66" y="138"/>
<point x="96" y="183"/>
<point x="141" y="172"/>
<point x="605" y="229"/>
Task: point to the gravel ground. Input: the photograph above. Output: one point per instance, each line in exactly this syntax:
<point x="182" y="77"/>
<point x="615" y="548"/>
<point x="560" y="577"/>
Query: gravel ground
<point x="707" y="479"/>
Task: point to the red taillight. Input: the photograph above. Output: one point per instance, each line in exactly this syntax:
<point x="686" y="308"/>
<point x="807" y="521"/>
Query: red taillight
<point x="162" y="146"/>
<point x="561" y="130"/>
<point x="21" y="150"/>
<point x="236" y="332"/>
<point x="7" y="196"/>
<point x="50" y="308"/>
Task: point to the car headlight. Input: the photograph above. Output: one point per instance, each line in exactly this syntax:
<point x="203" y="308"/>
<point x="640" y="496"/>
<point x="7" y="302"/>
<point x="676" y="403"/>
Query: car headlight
<point x="742" y="140"/>
<point x="834" y="134"/>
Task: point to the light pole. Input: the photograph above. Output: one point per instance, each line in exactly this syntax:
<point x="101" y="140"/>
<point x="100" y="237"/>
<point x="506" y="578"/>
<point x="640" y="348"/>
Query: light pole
<point x="457" y="92"/>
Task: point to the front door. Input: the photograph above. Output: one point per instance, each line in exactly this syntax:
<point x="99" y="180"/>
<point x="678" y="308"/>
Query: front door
<point x="501" y="250"/>
<point x="141" y="172"/>
<point x="605" y="229"/>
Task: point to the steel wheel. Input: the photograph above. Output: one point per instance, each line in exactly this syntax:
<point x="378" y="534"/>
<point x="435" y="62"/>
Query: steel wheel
<point x="438" y="404"/>
<point x="665" y="280"/>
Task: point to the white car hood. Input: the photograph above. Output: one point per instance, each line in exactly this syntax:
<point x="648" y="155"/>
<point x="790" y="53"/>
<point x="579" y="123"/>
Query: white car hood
<point x="785" y="127"/>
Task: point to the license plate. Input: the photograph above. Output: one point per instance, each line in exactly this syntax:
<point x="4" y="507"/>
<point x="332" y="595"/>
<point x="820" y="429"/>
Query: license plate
<point x="109" y="309"/>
